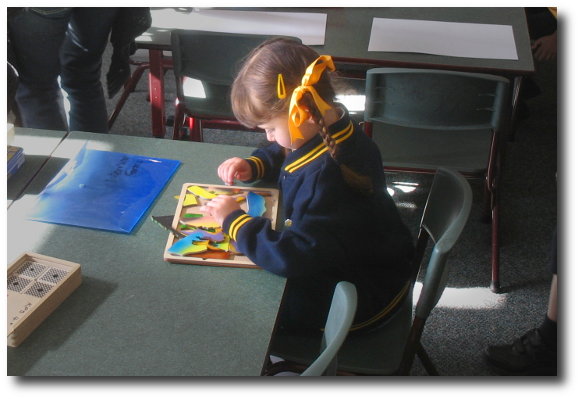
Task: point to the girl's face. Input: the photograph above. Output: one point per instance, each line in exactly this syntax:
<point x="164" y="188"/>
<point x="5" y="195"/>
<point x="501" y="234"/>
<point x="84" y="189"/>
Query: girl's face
<point x="277" y="130"/>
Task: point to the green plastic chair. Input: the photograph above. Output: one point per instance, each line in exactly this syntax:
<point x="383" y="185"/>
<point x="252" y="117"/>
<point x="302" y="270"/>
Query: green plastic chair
<point x="390" y="348"/>
<point x="425" y="119"/>
<point x="208" y="61"/>
<point x="338" y="322"/>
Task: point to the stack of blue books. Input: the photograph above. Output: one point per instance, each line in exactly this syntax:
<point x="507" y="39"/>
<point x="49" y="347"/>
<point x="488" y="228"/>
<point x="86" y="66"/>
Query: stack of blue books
<point x="15" y="159"/>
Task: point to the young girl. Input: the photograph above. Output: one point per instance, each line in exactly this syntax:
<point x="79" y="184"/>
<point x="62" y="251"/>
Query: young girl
<point x="339" y="222"/>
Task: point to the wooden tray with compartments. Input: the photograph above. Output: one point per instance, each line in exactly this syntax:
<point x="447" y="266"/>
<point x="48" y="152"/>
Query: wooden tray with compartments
<point x="37" y="285"/>
<point x="231" y="258"/>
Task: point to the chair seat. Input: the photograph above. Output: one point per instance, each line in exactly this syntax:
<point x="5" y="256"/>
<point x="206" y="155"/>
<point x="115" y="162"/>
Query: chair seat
<point x="376" y="352"/>
<point x="464" y="151"/>
<point x="379" y="351"/>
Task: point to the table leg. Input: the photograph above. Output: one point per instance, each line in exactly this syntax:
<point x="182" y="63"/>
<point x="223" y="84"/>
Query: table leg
<point x="157" y="93"/>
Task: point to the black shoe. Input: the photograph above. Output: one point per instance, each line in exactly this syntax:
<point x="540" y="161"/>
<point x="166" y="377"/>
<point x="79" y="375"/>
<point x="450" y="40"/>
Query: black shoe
<point x="527" y="355"/>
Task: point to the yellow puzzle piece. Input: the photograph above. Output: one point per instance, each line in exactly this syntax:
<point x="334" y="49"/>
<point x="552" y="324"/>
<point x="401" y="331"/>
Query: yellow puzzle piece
<point x="190" y="200"/>
<point x="201" y="192"/>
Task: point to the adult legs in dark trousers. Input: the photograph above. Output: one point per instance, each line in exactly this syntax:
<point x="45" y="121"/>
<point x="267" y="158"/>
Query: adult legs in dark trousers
<point x="36" y="36"/>
<point x="66" y="42"/>
<point x="81" y="60"/>
<point x="536" y="352"/>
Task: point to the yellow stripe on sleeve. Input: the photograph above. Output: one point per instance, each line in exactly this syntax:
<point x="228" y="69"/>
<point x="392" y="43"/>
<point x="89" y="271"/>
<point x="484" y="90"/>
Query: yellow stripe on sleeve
<point x="259" y="166"/>
<point x="237" y="223"/>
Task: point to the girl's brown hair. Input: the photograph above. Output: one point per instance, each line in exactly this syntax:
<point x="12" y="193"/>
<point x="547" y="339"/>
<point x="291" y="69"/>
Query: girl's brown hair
<point x="254" y="91"/>
<point x="255" y="100"/>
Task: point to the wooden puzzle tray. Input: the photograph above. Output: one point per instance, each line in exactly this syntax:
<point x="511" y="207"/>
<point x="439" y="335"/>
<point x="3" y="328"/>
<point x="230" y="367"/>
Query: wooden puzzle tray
<point x="211" y="246"/>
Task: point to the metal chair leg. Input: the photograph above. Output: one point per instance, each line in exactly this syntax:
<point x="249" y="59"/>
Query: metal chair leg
<point x="495" y="229"/>
<point x="195" y="131"/>
<point x="128" y="89"/>
<point x="426" y="361"/>
<point x="178" y="121"/>
<point x="495" y="285"/>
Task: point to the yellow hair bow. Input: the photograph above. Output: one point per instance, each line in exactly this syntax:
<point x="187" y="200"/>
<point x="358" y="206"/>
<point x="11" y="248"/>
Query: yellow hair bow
<point x="299" y="113"/>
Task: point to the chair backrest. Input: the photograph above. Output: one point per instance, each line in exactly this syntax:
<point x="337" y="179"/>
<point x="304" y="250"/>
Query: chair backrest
<point x="211" y="57"/>
<point x="435" y="99"/>
<point x="338" y="322"/>
<point x="444" y="217"/>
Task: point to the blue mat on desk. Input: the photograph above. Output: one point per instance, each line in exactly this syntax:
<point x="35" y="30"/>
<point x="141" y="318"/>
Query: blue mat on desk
<point x="104" y="190"/>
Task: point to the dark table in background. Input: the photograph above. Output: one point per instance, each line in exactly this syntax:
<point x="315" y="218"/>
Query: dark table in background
<point x="347" y="37"/>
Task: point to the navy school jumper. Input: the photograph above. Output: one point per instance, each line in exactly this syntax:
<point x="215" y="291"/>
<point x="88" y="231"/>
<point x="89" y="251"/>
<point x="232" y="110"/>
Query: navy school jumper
<point x="331" y="233"/>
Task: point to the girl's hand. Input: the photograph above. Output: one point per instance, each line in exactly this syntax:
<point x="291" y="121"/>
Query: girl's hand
<point x="234" y="168"/>
<point x="220" y="207"/>
<point x="546" y="47"/>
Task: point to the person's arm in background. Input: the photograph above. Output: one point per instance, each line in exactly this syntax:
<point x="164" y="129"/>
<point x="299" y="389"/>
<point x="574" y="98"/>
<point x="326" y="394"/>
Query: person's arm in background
<point x="545" y="48"/>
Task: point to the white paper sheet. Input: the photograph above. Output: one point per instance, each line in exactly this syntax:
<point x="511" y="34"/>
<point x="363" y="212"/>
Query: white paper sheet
<point x="309" y="27"/>
<point x="456" y="39"/>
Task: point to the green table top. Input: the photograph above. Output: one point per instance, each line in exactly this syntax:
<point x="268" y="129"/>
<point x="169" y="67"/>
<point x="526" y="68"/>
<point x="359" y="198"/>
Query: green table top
<point x="134" y="314"/>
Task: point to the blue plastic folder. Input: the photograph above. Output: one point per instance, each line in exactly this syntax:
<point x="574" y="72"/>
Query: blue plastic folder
<point x="104" y="190"/>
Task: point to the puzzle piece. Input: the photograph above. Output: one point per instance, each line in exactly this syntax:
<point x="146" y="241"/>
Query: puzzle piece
<point x="190" y="200"/>
<point x="166" y="222"/>
<point x="192" y="216"/>
<point x="188" y="246"/>
<point x="201" y="192"/>
<point x="223" y="245"/>
<point x="214" y="255"/>
<point x="200" y="235"/>
<point x="205" y="222"/>
<point x="256" y="204"/>
<point x="218" y="191"/>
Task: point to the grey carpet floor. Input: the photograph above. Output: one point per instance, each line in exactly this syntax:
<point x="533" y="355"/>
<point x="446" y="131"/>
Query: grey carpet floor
<point x="469" y="317"/>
